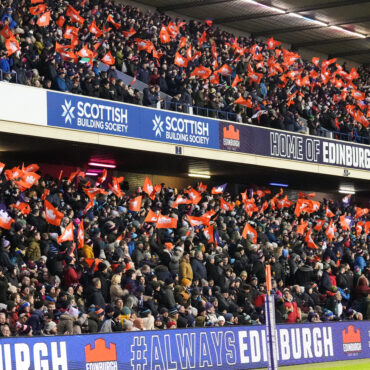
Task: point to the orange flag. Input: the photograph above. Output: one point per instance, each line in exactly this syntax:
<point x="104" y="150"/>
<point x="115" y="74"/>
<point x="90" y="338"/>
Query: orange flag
<point x="272" y="44"/>
<point x="24" y="208"/>
<point x="44" y="20"/>
<point x="330" y="231"/>
<point x="81" y="235"/>
<point x="209" y="233"/>
<point x="88" y="206"/>
<point x="115" y="187"/>
<point x="225" y="205"/>
<point x="361" y="212"/>
<point x="52" y="215"/>
<point x="308" y="239"/>
<point x="11" y="45"/>
<point x="319" y="225"/>
<point x="197" y="221"/>
<point x="255" y="77"/>
<point x="151" y="216"/>
<point x="85" y="52"/>
<point x="129" y="33"/>
<point x="202" y="72"/>
<point x="237" y="79"/>
<point x="111" y="20"/>
<point x="93" y="192"/>
<point x="224" y="70"/>
<point x="148" y="188"/>
<point x="74" y="15"/>
<point x="60" y="22"/>
<point x="301" y="228"/>
<point x="245" y="102"/>
<point x="182" y="42"/>
<point x="316" y="61"/>
<point x="328" y="212"/>
<point x="180" y="60"/>
<point x="164" y="35"/>
<point x="344" y="222"/>
<point x="38" y="9"/>
<point x="67" y="234"/>
<point x="94" y="29"/>
<point x="102" y="178"/>
<point x="248" y="229"/>
<point x="193" y="195"/>
<point x="2" y="166"/>
<point x="201" y="187"/>
<point x="165" y="222"/>
<point x="306" y="196"/>
<point x="108" y="59"/>
<point x="5" y="220"/>
<point x="181" y="200"/>
<point x="135" y="204"/>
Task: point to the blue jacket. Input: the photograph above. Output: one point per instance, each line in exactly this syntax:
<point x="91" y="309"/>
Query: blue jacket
<point x="360" y="262"/>
<point x="36" y="321"/>
<point x="5" y="65"/>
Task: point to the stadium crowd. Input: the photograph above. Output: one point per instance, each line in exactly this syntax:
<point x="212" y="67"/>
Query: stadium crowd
<point x="59" y="45"/>
<point x="76" y="257"/>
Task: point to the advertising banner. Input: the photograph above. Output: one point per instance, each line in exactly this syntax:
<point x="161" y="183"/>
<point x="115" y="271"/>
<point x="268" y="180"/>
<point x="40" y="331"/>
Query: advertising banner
<point x="222" y="348"/>
<point x="290" y="146"/>
<point x="107" y="117"/>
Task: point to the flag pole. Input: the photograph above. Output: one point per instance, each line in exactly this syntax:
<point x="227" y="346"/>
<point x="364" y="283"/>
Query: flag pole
<point x="270" y="323"/>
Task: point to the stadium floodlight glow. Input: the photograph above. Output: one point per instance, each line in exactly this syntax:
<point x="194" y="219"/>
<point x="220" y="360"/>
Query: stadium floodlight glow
<point x="269" y="7"/>
<point x="348" y="31"/>
<point x="278" y="184"/>
<point x="346" y="191"/>
<point x="199" y="175"/>
<point x="92" y="174"/>
<point x="104" y="165"/>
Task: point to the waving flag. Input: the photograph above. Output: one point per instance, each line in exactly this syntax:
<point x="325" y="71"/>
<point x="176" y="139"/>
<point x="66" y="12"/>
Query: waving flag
<point x="224" y="70"/>
<point x="272" y="44"/>
<point x="60" y="21"/>
<point x="180" y="60"/>
<point x="151" y="216"/>
<point x="102" y="178"/>
<point x="197" y="221"/>
<point x="165" y="222"/>
<point x="53" y="216"/>
<point x="308" y="239"/>
<point x="255" y="77"/>
<point x="94" y="29"/>
<point x="115" y="187"/>
<point x="146" y="45"/>
<point x="5" y="220"/>
<point x="302" y="205"/>
<point x="12" y="45"/>
<point x="28" y="179"/>
<point x="182" y="42"/>
<point x="316" y="61"/>
<point x="202" y="39"/>
<point x="367" y="227"/>
<point x="193" y="195"/>
<point x="44" y="20"/>
<point x="306" y="196"/>
<point x="181" y="200"/>
<point x="38" y="9"/>
<point x="237" y="79"/>
<point x="108" y="59"/>
<point x="345" y="222"/>
<point x="148" y="188"/>
<point x="81" y="235"/>
<point x="359" y="227"/>
<point x="88" y="206"/>
<point x="249" y="230"/>
<point x="330" y="231"/>
<point x="2" y="166"/>
<point x="129" y="33"/>
<point x="302" y="227"/>
<point x="219" y="189"/>
<point x="225" y="205"/>
<point x="164" y="36"/>
<point x="135" y="204"/>
<point x="245" y="102"/>
<point x="74" y="15"/>
<point x="67" y="234"/>
<point x="111" y="20"/>
<point x="359" y="211"/>
<point x="264" y="206"/>
<point x="173" y="29"/>
<point x="208" y="233"/>
<point x="319" y="225"/>
<point x="358" y="95"/>
<point x="93" y="192"/>
<point x="201" y="71"/>
<point x="201" y="187"/>
<point x="328" y="212"/>
<point x="209" y="214"/>
<point x="250" y="206"/>
<point x="85" y="52"/>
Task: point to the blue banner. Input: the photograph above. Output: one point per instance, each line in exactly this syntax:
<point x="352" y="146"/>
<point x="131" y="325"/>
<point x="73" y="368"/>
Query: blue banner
<point x="223" y="348"/>
<point x="107" y="117"/>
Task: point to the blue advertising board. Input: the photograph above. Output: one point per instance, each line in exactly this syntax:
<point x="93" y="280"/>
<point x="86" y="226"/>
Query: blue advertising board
<point x="107" y="117"/>
<point x="222" y="348"/>
<point x="77" y="112"/>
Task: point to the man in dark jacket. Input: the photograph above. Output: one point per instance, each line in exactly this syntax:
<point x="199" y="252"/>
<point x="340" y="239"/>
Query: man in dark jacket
<point x="3" y="286"/>
<point x="304" y="274"/>
<point x="96" y="297"/>
<point x="167" y="298"/>
<point x="199" y="269"/>
<point x="36" y="320"/>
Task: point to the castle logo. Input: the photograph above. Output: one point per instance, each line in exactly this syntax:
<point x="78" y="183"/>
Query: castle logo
<point x="351" y="340"/>
<point x="101" y="357"/>
<point x="231" y="137"/>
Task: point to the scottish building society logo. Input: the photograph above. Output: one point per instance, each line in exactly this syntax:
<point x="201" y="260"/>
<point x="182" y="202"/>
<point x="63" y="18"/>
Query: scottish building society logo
<point x="68" y="111"/>
<point x="158" y="126"/>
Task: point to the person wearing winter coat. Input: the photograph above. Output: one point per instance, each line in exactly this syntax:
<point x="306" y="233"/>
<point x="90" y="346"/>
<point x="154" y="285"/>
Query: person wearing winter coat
<point x="33" y="252"/>
<point x="96" y="297"/>
<point x="70" y="274"/>
<point x="186" y="270"/>
<point x="167" y="298"/>
<point x="115" y="289"/>
<point x="36" y="320"/>
<point x="199" y="269"/>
